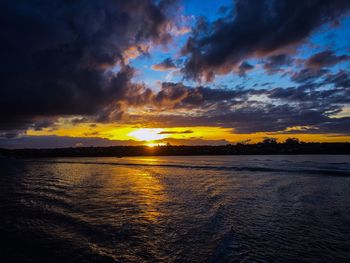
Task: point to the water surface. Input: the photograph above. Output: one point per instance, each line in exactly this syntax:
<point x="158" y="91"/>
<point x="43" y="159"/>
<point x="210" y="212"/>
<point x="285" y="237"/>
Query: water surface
<point x="176" y="209"/>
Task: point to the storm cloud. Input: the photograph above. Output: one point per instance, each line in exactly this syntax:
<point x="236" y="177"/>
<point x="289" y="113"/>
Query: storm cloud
<point x="62" y="58"/>
<point x="254" y="28"/>
<point x="325" y="59"/>
<point x="274" y="64"/>
<point x="251" y="110"/>
<point x="86" y="62"/>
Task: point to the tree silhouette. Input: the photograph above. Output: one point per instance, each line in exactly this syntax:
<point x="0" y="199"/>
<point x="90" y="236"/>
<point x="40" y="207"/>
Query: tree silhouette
<point x="293" y="141"/>
<point x="270" y="140"/>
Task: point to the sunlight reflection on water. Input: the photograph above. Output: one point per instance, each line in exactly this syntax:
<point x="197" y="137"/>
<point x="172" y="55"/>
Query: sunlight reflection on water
<point x="176" y="209"/>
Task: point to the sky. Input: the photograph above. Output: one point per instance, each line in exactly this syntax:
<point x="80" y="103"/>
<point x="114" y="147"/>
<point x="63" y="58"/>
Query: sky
<point x="114" y="72"/>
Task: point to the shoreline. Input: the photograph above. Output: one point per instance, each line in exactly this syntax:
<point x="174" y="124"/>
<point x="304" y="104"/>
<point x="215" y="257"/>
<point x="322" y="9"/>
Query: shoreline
<point x="238" y="149"/>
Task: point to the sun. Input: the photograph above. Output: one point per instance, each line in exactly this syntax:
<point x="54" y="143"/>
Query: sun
<point x="146" y="134"/>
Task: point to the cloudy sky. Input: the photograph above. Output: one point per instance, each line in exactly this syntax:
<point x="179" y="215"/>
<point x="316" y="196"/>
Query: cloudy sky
<point x="115" y="72"/>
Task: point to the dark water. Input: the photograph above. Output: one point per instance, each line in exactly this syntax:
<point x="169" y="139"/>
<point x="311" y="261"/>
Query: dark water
<point x="176" y="209"/>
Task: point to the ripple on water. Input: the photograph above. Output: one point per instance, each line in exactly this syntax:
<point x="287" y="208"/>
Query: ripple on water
<point x="172" y="209"/>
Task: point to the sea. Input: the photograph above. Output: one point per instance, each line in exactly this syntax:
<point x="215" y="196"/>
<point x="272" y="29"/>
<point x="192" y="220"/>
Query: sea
<point x="267" y="208"/>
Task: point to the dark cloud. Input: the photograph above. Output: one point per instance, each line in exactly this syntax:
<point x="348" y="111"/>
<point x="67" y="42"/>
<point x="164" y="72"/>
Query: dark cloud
<point x="271" y="118"/>
<point x="177" y="95"/>
<point x="176" y="132"/>
<point x="339" y="79"/>
<point x="325" y="59"/>
<point x="308" y="75"/>
<point x="249" y="110"/>
<point x="336" y="126"/>
<point x="57" y="56"/>
<point x="329" y="97"/>
<point x="8" y="135"/>
<point x="274" y="63"/>
<point x="71" y="58"/>
<point x="167" y="64"/>
<point x="254" y="28"/>
<point x="249" y="119"/>
<point x="244" y="68"/>
<point x="78" y="120"/>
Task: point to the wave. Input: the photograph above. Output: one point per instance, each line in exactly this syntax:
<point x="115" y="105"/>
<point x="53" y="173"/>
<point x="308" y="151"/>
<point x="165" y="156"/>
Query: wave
<point x="303" y="170"/>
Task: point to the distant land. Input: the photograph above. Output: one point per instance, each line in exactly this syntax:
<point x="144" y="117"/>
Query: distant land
<point x="291" y="146"/>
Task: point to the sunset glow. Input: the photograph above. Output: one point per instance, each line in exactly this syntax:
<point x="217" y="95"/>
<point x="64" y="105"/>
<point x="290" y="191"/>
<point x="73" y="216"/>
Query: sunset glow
<point x="147" y="134"/>
<point x="193" y="74"/>
<point x="174" y="131"/>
